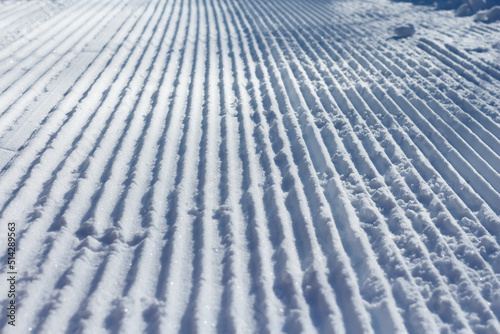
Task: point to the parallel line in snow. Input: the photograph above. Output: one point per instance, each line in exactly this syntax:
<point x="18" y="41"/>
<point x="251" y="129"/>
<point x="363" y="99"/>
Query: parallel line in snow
<point x="460" y="164"/>
<point x="106" y="203"/>
<point x="470" y="73"/>
<point x="295" y="214"/>
<point x="203" y="306"/>
<point x="63" y="211"/>
<point x="467" y="126"/>
<point x="479" y="112"/>
<point x="16" y="6"/>
<point x="235" y="166"/>
<point x="44" y="37"/>
<point x="467" y="147"/>
<point x="16" y="91"/>
<point x="11" y="19"/>
<point x="333" y="153"/>
<point x="33" y="106"/>
<point x="275" y="209"/>
<point x="37" y="44"/>
<point x="148" y="249"/>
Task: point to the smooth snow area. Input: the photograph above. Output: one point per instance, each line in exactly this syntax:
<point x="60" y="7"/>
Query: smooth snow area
<point x="236" y="166"/>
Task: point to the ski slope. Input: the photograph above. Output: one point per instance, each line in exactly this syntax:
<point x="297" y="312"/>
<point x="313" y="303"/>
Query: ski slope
<point x="219" y="166"/>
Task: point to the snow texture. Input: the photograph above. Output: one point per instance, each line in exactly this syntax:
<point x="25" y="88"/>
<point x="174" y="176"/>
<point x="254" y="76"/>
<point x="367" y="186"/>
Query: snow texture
<point x="490" y="15"/>
<point x="462" y="7"/>
<point x="234" y="166"/>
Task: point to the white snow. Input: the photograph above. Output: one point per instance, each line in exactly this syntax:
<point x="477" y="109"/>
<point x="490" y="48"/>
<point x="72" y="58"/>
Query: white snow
<point x="404" y="30"/>
<point x="489" y="15"/>
<point x="217" y="166"/>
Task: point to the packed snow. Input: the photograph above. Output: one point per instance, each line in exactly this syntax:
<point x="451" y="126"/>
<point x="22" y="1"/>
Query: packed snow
<point x="265" y="166"/>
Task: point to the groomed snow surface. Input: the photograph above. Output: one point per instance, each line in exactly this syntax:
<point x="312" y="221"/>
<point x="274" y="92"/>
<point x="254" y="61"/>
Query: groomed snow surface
<point x="234" y="166"/>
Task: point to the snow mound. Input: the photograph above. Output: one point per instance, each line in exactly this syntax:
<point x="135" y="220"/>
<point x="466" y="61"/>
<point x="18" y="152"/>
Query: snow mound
<point x="490" y="15"/>
<point x="405" y="30"/>
<point x="465" y="7"/>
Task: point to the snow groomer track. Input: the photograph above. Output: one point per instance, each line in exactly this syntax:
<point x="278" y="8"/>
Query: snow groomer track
<point x="202" y="166"/>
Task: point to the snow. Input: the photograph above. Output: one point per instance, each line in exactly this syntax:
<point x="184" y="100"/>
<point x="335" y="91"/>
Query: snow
<point x="461" y="7"/>
<point x="405" y="30"/>
<point x="489" y="15"/>
<point x="214" y="166"/>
